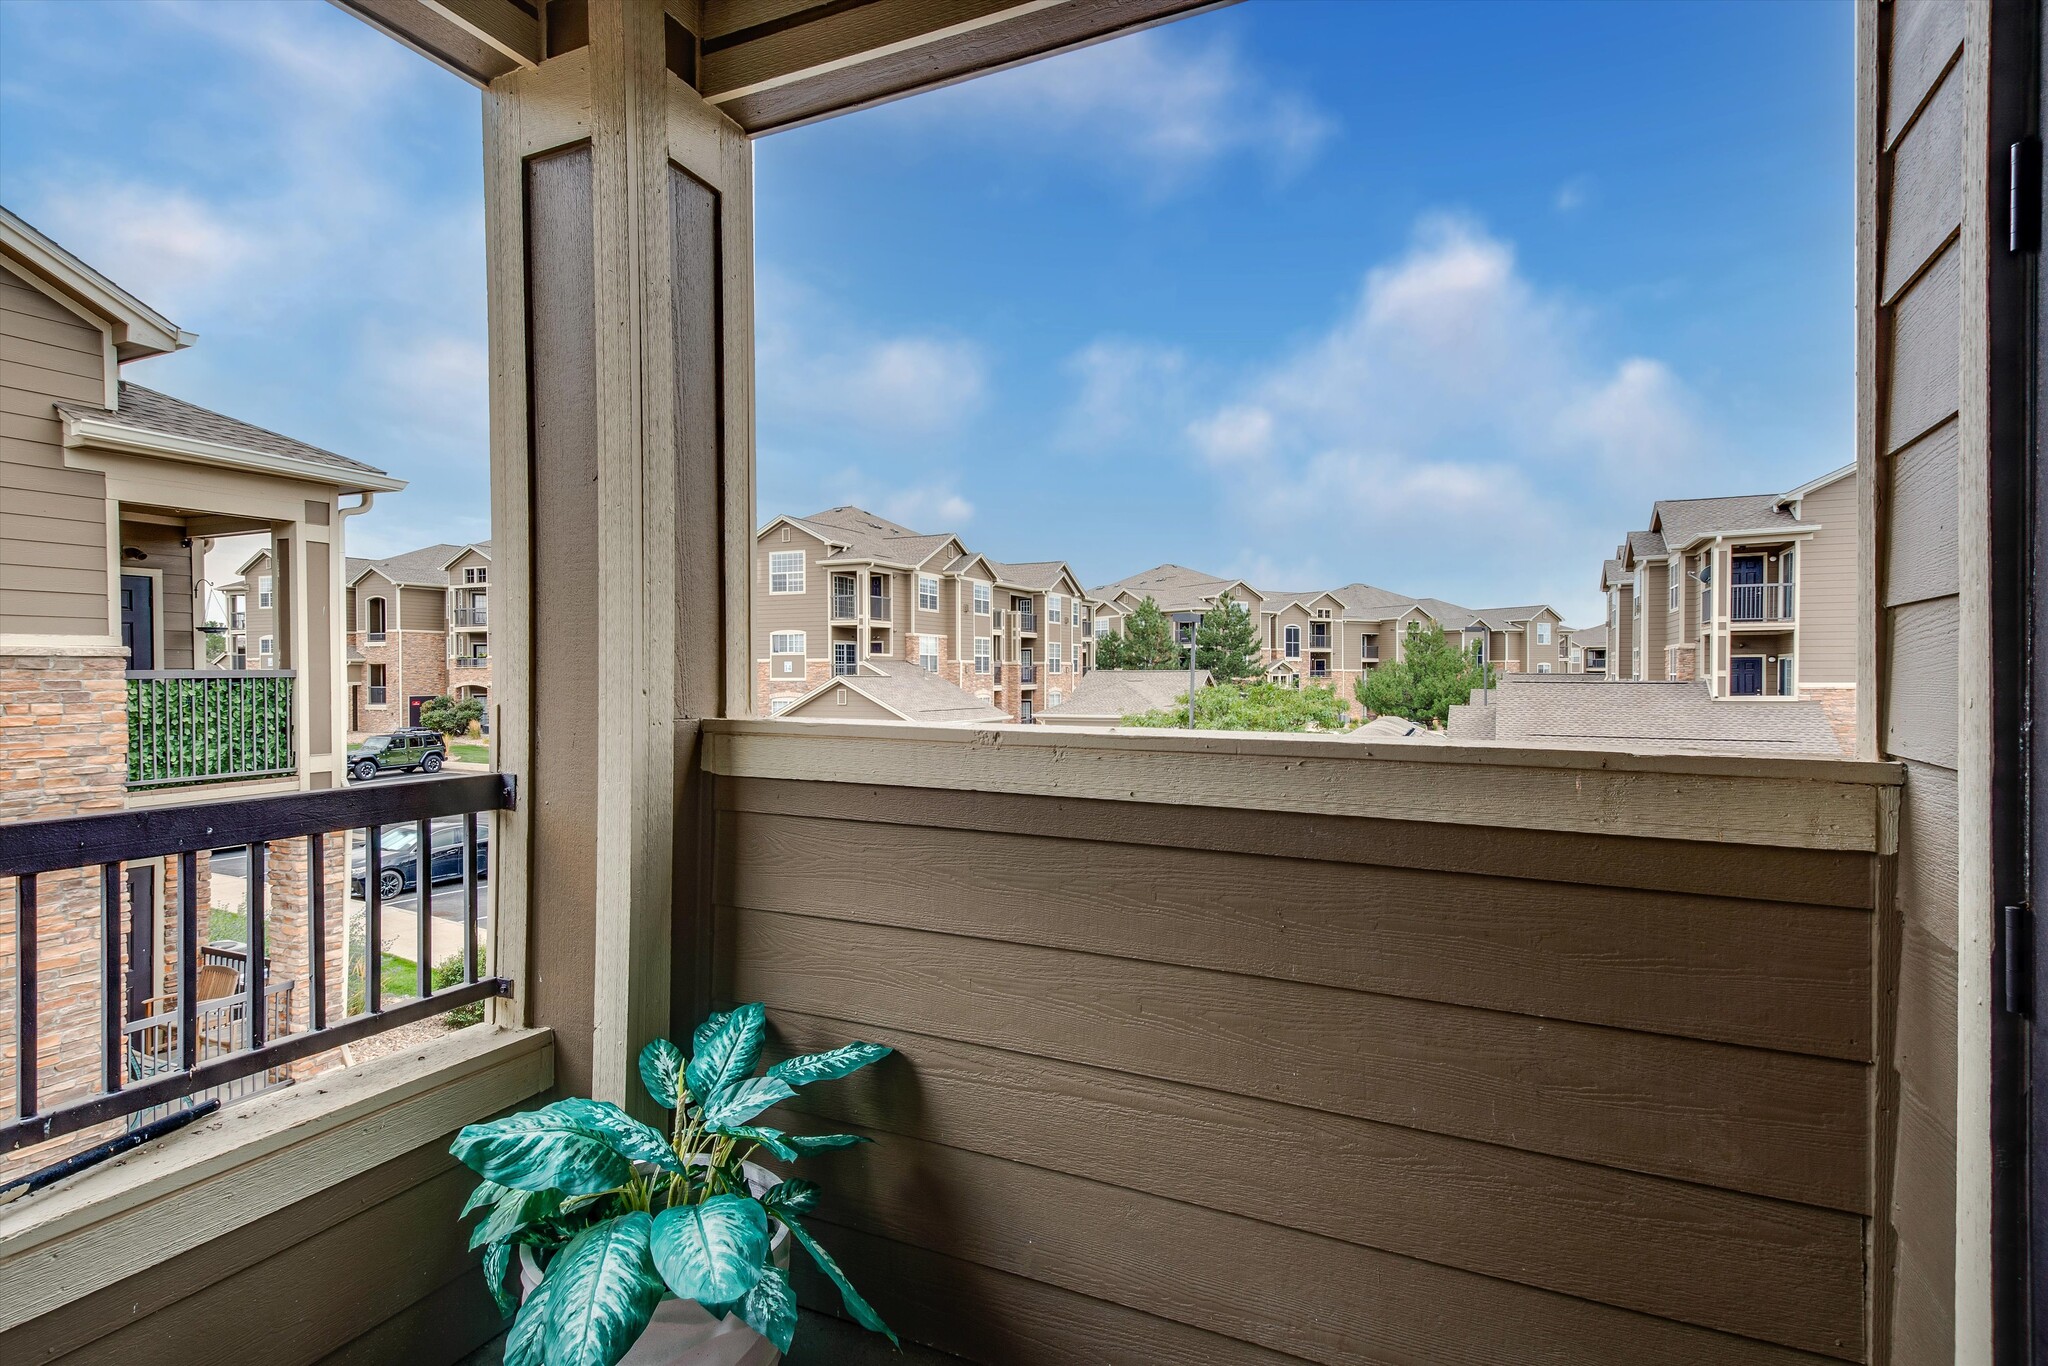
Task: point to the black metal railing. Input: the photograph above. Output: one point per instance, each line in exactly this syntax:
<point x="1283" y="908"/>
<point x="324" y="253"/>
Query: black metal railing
<point x="32" y="849"/>
<point x="999" y="673"/>
<point x="471" y="662"/>
<point x="1027" y="674"/>
<point x="203" y="726"/>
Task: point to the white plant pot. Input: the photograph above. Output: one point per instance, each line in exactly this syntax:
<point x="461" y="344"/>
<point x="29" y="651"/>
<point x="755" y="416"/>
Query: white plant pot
<point x="681" y="1333"/>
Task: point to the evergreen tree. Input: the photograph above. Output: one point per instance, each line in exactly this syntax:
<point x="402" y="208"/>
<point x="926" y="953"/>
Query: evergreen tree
<point x="1431" y="676"/>
<point x="1227" y="643"/>
<point x="1148" y="639"/>
<point x="1251" y="706"/>
<point x="1109" y="649"/>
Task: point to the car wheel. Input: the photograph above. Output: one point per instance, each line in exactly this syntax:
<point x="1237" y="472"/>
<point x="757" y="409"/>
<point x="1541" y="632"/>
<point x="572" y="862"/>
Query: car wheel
<point x="431" y="764"/>
<point x="366" y="771"/>
<point x="390" y="883"/>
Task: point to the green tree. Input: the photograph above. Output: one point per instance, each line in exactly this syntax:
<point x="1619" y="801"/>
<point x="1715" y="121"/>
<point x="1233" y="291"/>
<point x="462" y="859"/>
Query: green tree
<point x="1227" y="643"/>
<point x="1109" y="649"/>
<point x="1148" y="639"/>
<point x="1252" y="706"/>
<point x="450" y="717"/>
<point x="1427" y="681"/>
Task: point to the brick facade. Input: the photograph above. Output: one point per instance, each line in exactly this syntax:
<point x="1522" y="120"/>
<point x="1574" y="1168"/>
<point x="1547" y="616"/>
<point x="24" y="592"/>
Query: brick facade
<point x="415" y="665"/>
<point x="63" y="752"/>
<point x="1682" y="663"/>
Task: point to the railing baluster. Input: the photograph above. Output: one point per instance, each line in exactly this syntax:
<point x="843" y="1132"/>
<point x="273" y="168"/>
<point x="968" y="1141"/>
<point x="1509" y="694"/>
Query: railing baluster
<point x="254" y="975"/>
<point x="469" y="897"/>
<point x="373" y="915"/>
<point x="25" y="995"/>
<point x="316" y="928"/>
<point x="188" y="960"/>
<point x="112" y="1062"/>
<point x="423" y="895"/>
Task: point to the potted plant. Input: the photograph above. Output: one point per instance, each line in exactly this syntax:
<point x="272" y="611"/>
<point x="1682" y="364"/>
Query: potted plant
<point x="668" y="1247"/>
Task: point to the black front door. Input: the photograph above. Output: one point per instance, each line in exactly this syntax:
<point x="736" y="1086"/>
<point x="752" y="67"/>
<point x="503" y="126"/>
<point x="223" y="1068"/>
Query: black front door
<point x="1746" y="676"/>
<point x="138" y="620"/>
<point x="417" y="703"/>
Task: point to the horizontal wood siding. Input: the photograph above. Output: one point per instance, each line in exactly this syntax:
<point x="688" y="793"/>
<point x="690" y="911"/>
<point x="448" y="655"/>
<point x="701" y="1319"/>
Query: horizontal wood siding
<point x="1242" y="1085"/>
<point x="53" y="524"/>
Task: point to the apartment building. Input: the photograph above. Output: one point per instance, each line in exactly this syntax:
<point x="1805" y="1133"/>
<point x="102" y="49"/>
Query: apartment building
<point x="1334" y="637"/>
<point x="1586" y="650"/>
<point x="844" y="587"/>
<point x="111" y="496"/>
<point x="419" y="627"/>
<point x="1753" y="595"/>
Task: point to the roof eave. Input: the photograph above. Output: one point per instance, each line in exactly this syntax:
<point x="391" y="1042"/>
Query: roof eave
<point x="138" y="329"/>
<point x="82" y="431"/>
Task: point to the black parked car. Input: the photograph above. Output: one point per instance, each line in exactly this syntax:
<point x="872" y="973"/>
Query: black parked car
<point x="411" y="749"/>
<point x="400" y="870"/>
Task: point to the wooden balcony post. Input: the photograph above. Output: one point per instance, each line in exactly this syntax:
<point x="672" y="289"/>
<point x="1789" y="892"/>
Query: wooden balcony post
<point x="620" y="238"/>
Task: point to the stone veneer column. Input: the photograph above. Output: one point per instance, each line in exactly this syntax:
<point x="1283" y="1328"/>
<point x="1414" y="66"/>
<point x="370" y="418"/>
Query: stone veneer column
<point x="288" y="924"/>
<point x="63" y="752"/>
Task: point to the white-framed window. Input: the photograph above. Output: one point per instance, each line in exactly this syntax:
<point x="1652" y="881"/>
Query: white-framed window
<point x="1055" y="607"/>
<point x="984" y="600"/>
<point x="779" y="705"/>
<point x="927" y="593"/>
<point x="786" y="571"/>
<point x="845" y="657"/>
<point x="263" y="644"/>
<point x="1053" y="661"/>
<point x="981" y="654"/>
<point x="786" y="643"/>
<point x="1055" y="699"/>
<point x="377" y="613"/>
<point x="1542" y="633"/>
<point x="1671" y="598"/>
<point x="476" y="574"/>
<point x="1543" y="668"/>
<point x="1293" y="638"/>
<point x="928" y="653"/>
<point x="263" y="590"/>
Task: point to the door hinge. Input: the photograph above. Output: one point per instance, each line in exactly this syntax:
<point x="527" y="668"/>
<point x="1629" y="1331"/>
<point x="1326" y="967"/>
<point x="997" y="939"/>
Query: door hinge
<point x="2023" y="197"/>
<point x="2015" y="952"/>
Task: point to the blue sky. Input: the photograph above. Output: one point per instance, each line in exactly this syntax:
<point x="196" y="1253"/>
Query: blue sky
<point x="1434" y="296"/>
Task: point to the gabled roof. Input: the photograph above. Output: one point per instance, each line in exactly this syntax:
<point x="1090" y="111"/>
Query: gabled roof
<point x="1117" y="693"/>
<point x="1590" y="637"/>
<point x="158" y="424"/>
<point x="1645" y="545"/>
<point x="1659" y="718"/>
<point x="860" y="522"/>
<point x="1039" y="575"/>
<point x="482" y="548"/>
<point x="250" y="564"/>
<point x="905" y="690"/>
<point x="1816" y="485"/>
<point x="1612" y="575"/>
<point x="138" y="330"/>
<point x="426" y="567"/>
<point x="1682" y="521"/>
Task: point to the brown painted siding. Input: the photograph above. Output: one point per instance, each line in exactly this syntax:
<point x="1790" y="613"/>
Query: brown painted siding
<point x="1476" y="1108"/>
<point x="53" y="529"/>
<point x="826" y="706"/>
<point x="1828" y="576"/>
<point x="262" y="621"/>
<point x="808" y="611"/>
<point x="421" y="609"/>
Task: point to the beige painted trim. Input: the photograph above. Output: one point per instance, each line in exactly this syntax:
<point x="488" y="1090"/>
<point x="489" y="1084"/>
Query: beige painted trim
<point x="1816" y="803"/>
<point x="1974" y="1322"/>
<point x="239" y="1165"/>
<point x="866" y="55"/>
<point x="497" y="24"/>
<point x="74" y="647"/>
<point x="112" y="436"/>
<point x="142" y="329"/>
<point x="213" y="792"/>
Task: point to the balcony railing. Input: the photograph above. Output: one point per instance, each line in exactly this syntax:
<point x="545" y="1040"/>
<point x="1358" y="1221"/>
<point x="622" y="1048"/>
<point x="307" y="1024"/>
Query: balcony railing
<point x="195" y="1047"/>
<point x="878" y="608"/>
<point x="187" y="726"/>
<point x="1027" y="674"/>
<point x="153" y="1045"/>
<point x="845" y="607"/>
<point x="239" y="622"/>
<point x="1319" y="640"/>
<point x="1088" y="628"/>
<point x="1027" y="621"/>
<point x="1760" y="602"/>
<point x="471" y="662"/>
<point x="999" y="673"/>
<point x="472" y="616"/>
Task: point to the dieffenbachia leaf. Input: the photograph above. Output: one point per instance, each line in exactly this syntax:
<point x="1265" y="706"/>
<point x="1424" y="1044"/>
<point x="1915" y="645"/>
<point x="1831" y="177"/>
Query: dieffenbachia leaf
<point x="712" y="1024"/>
<point x="486" y="1193"/>
<point x="744" y="1099"/>
<point x="605" y="1292"/>
<point x="770" y="1307"/>
<point x="802" y="1071"/>
<point x="794" y="1196"/>
<point x="514" y="1211"/>
<point x="711" y="1253"/>
<point x="661" y="1071"/>
<point x="728" y="1052"/>
<point x="774" y="1140"/>
<point x="498" y="1260"/>
<point x="542" y="1150"/>
<point x="863" y="1313"/>
<point x="636" y="1140"/>
<point x="817" y="1143"/>
<point x="526" y="1344"/>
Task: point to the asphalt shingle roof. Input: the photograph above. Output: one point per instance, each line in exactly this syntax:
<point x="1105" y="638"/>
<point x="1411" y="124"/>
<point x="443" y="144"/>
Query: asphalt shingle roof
<point x="1684" y="520"/>
<point x="421" y="568"/>
<point x="907" y="689"/>
<point x="1573" y="710"/>
<point x="1113" y="694"/>
<point x="152" y="413"/>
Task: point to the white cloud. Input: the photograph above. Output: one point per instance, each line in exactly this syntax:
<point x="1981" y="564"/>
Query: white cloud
<point x="817" y="369"/>
<point x="1123" y="387"/>
<point x="1455" y="423"/>
<point x="1156" y="105"/>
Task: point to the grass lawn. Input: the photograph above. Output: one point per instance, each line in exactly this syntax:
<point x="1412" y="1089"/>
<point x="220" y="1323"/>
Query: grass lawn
<point x="470" y="751"/>
<point x="232" y="926"/>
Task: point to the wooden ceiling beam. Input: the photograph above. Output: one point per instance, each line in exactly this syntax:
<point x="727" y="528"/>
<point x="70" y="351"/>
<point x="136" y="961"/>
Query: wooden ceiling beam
<point x="502" y="25"/>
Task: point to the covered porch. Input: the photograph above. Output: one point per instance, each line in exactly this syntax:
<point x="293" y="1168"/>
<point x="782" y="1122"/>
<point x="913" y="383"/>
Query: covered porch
<point x="1349" y="1053"/>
